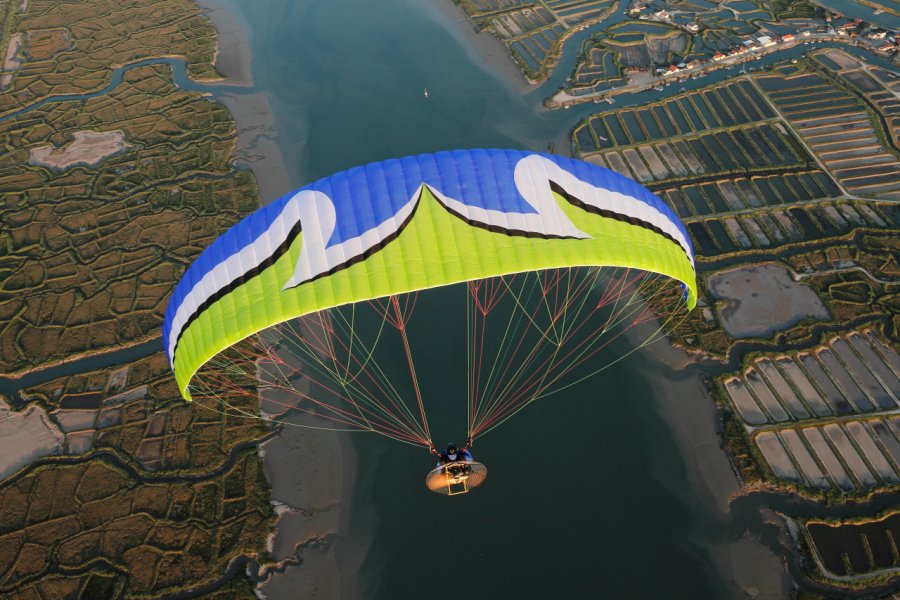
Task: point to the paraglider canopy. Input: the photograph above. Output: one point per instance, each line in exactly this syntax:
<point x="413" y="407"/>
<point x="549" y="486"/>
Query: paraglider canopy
<point x="403" y="225"/>
<point x="556" y="258"/>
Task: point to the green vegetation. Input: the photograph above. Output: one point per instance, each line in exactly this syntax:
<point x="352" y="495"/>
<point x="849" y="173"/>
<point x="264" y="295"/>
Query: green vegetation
<point x="169" y="494"/>
<point x="91" y="254"/>
<point x="164" y="494"/>
<point x="101" y="37"/>
<point x="796" y="9"/>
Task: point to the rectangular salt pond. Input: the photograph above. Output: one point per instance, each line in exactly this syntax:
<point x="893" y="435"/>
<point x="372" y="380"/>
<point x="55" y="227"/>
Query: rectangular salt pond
<point x="830" y="391"/>
<point x="765" y="396"/>
<point x="703" y="155"/>
<point x="722" y="238"/>
<point x="664" y="120"/>
<point x="680" y="120"/>
<point x="690" y="111"/>
<point x="687" y="156"/>
<point x="756" y="99"/>
<point x="804" y="459"/>
<point x="890" y="356"/>
<point x="850" y="387"/>
<point x="828" y="459"/>
<point x="744" y="402"/>
<point x="698" y="202"/>
<point x="737" y="233"/>
<point x="775" y="455"/>
<point x="673" y="197"/>
<point x="850" y="214"/>
<point x="871" y="216"/>
<point x="787" y="224"/>
<point x="850" y="455"/>
<point x="874" y="362"/>
<point x="750" y="192"/>
<point x="870" y="450"/>
<point x="756" y="231"/>
<point x="653" y="161"/>
<point x="731" y="195"/>
<point x="640" y="170"/>
<point x="614" y="126"/>
<point x="769" y="223"/>
<point x="617" y="164"/>
<point x="711" y="191"/>
<point x="781" y="387"/>
<point x="887" y="438"/>
<point x="809" y="393"/>
<point x="671" y="159"/>
<point x="870" y="385"/>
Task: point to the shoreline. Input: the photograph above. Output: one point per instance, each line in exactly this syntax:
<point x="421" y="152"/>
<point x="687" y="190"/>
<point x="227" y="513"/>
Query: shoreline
<point x="682" y="401"/>
<point x="233" y="56"/>
<point x="256" y="146"/>
<point x="302" y="541"/>
<point x="483" y="47"/>
<point x="310" y="473"/>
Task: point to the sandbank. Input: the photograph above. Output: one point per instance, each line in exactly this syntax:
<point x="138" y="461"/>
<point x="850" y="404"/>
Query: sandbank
<point x="25" y="437"/>
<point x="256" y="147"/>
<point x="89" y="148"/>
<point x="304" y="468"/>
<point x="233" y="56"/>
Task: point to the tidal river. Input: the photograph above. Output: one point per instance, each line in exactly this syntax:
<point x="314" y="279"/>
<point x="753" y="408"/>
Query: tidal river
<point x="616" y="488"/>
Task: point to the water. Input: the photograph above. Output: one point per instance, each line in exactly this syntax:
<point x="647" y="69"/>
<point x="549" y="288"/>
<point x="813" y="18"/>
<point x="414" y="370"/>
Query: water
<point x="347" y="78"/>
<point x="605" y="499"/>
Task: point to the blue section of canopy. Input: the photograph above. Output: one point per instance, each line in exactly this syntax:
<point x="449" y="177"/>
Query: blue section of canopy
<point x="364" y="197"/>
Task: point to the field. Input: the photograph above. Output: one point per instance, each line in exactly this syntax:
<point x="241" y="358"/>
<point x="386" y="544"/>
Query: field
<point x="743" y="171"/>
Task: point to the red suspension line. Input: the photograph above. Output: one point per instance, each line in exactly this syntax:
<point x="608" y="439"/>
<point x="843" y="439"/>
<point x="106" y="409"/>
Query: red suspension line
<point x="402" y="413"/>
<point x="412" y="370"/>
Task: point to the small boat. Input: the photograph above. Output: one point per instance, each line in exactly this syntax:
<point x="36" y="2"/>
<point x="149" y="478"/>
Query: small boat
<point x="426" y="92"/>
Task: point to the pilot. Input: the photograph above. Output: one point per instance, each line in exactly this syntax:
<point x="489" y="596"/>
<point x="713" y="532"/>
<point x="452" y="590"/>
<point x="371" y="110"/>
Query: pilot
<point x="452" y="454"/>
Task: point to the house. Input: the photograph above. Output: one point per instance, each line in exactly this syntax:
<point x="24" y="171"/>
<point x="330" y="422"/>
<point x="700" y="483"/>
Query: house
<point x="878" y="34"/>
<point x="693" y="27"/>
<point x="765" y="41"/>
<point x="662" y="14"/>
<point x="718" y="55"/>
<point x="788" y="37"/>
